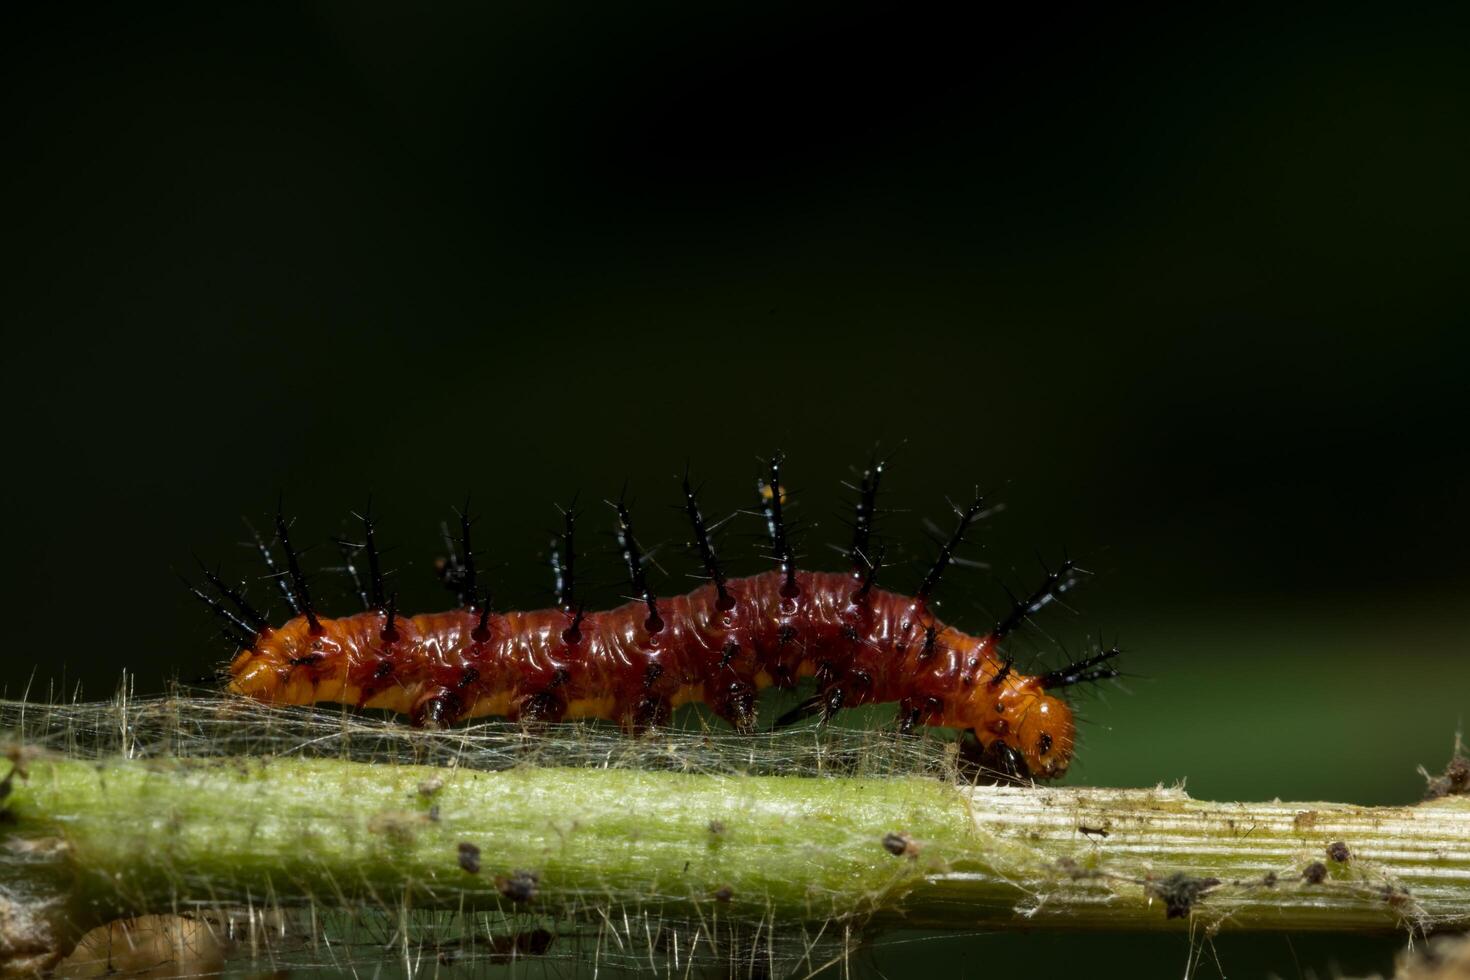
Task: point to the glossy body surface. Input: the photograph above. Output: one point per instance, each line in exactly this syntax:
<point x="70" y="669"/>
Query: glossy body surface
<point x="632" y="665"/>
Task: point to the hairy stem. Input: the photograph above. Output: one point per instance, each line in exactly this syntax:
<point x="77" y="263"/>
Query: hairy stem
<point x="92" y="840"/>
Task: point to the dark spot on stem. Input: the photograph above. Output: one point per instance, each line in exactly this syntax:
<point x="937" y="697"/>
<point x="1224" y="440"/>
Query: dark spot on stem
<point x="900" y="845"/>
<point x="1454" y="782"/>
<point x="1179" y="892"/>
<point x="520" y="887"/>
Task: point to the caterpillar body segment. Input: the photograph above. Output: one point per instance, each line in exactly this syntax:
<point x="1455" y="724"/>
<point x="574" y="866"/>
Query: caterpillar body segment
<point x="718" y="645"/>
<point x="873" y="647"/>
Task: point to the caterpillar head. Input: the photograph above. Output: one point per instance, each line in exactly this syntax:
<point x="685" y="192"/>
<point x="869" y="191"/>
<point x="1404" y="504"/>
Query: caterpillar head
<point x="1024" y="732"/>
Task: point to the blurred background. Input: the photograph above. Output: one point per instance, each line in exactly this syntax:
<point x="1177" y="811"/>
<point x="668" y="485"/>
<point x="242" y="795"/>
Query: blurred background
<point x="1188" y="294"/>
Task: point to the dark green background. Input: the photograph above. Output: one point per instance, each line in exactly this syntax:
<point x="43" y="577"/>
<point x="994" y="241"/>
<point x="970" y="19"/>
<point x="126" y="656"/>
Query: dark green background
<point x="1188" y="293"/>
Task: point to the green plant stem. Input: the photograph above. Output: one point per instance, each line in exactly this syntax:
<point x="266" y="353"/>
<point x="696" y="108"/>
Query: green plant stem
<point x="90" y="841"/>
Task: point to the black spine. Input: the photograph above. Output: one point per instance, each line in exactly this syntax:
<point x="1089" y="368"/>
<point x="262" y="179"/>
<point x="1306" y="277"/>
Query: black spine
<point x="481" y="632"/>
<point x="633" y="557"/>
<point x="772" y="504"/>
<point x="348" y="550"/>
<point x="724" y="600"/>
<point x="375" y="568"/>
<point x="235" y="628"/>
<point x="1085" y="671"/>
<point x="948" y="549"/>
<point x="572" y="635"/>
<point x="390" y="630"/>
<point x="456" y="570"/>
<point x="298" y="578"/>
<point x="273" y="572"/>
<point x="870" y="577"/>
<point x="564" y="560"/>
<point x="1005" y="671"/>
<point x="256" y="621"/>
<point x="468" y="592"/>
<point x="862" y="525"/>
<point x="1056" y="583"/>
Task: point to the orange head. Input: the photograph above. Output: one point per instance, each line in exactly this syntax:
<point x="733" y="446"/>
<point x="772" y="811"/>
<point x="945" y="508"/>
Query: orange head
<point x="1024" y="731"/>
<point x="1042" y="731"/>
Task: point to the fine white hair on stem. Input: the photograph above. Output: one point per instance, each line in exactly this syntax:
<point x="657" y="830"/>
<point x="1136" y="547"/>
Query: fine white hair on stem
<point x="289" y="837"/>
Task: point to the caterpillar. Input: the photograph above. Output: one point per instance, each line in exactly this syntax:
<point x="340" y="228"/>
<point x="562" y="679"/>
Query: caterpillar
<point x="719" y="644"/>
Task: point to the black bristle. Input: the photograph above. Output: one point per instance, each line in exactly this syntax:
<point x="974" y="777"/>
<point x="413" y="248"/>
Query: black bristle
<point x="723" y="599"/>
<point x="348" y="550"/>
<point x="930" y="638"/>
<point x="573" y="633"/>
<point x="772" y="504"/>
<point x="375" y="569"/>
<point x="633" y="557"/>
<point x="256" y="621"/>
<point x="298" y="578"/>
<point x="469" y="552"/>
<point x="468" y="591"/>
<point x="238" y="631"/>
<point x="457" y="568"/>
<point x="481" y="632"/>
<point x="564" y="559"/>
<point x="948" y="549"/>
<point x="1084" y="671"/>
<point x="870" y="577"/>
<point x="1004" y="672"/>
<point x="558" y="583"/>
<point x="389" y="633"/>
<point x="1055" y="584"/>
<point x="862" y="525"/>
<point x="272" y="571"/>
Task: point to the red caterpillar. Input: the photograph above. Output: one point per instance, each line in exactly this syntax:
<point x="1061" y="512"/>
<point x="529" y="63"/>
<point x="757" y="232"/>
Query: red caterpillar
<point x="718" y="645"/>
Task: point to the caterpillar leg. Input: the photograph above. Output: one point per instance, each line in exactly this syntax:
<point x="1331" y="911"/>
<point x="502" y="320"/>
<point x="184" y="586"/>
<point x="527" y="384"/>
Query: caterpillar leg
<point x="840" y="688"/>
<point x="996" y="764"/>
<point x="825" y="703"/>
<point x="540" y="707"/>
<point x="649" y="712"/>
<point x="734" y="703"/>
<point x="437" y="709"/>
<point x="912" y="713"/>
